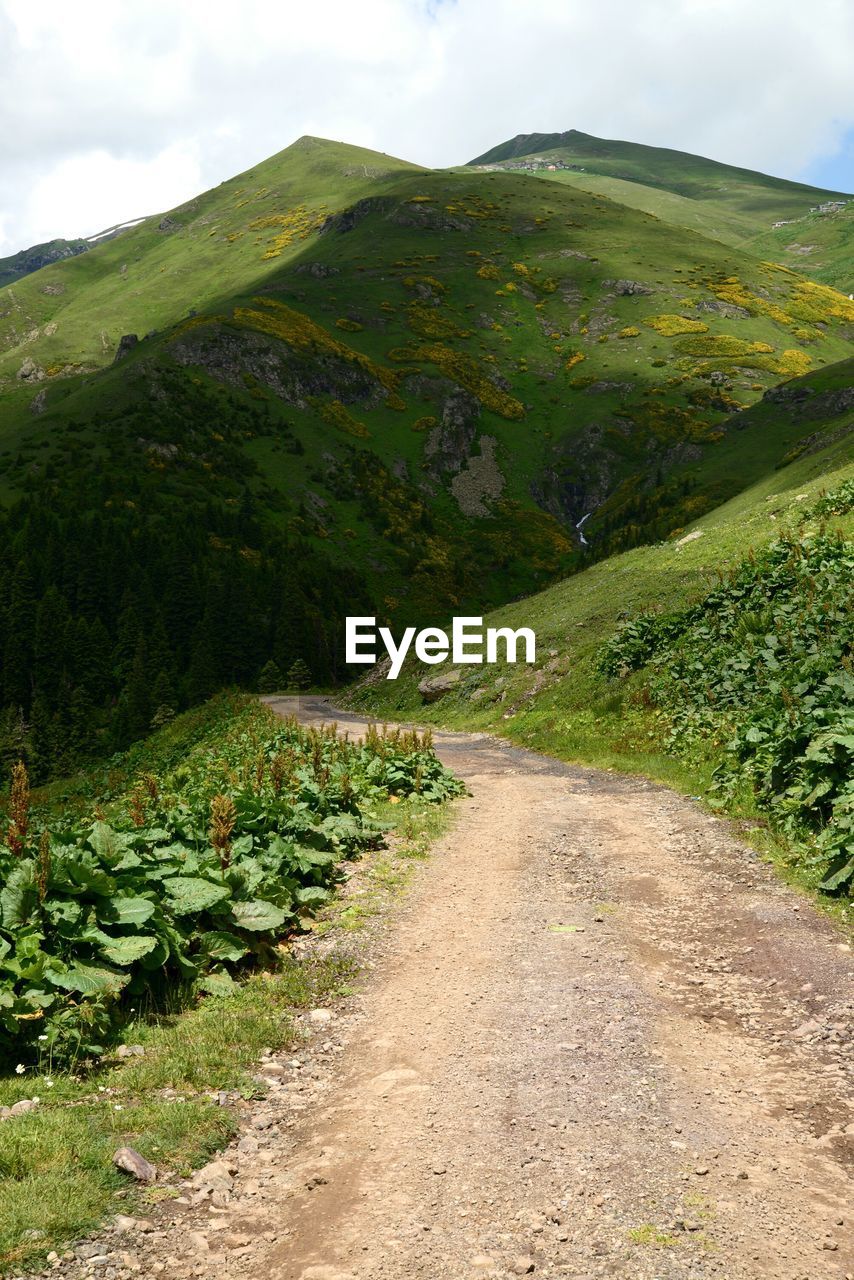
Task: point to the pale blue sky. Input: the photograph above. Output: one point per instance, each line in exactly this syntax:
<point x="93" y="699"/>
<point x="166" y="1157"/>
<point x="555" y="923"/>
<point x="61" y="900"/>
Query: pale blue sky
<point x="835" y="171"/>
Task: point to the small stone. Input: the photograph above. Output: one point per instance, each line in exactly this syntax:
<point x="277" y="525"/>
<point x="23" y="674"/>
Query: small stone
<point x="235" y="1241"/>
<point x="522" y="1266"/>
<point x="124" y="1223"/>
<point x="829" y="1244"/>
<point x="130" y="1051"/>
<point x="198" y="1242"/>
<point x="701" y="1170"/>
<point x="21" y="1108"/>
<point x="217" y="1175"/>
<point x="130" y="1161"/>
<point x="439" y="1169"/>
<point x="320" y="1016"/>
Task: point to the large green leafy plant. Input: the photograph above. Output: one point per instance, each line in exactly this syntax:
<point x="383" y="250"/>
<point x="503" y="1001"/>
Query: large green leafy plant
<point x="190" y="877"/>
<point x="760" y="672"/>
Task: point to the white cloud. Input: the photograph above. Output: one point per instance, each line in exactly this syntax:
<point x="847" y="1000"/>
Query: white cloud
<point x="118" y="184"/>
<point x="112" y="110"/>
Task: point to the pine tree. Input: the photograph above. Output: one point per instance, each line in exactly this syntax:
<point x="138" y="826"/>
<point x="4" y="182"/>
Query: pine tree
<point x="270" y="680"/>
<point x="299" y="675"/>
<point x="163" y="701"/>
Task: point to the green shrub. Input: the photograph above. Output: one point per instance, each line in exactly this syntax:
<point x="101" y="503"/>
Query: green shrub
<point x="761" y="670"/>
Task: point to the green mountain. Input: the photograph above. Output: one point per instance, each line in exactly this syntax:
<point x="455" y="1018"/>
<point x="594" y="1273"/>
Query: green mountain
<point x="742" y="198"/>
<point x="445" y="389"/>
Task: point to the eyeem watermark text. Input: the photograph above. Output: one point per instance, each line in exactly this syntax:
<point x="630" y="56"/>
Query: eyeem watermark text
<point x="468" y="642"/>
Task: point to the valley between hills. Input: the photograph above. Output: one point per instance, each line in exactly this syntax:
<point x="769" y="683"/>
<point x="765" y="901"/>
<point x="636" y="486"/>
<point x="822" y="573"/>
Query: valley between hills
<point x="303" y="990"/>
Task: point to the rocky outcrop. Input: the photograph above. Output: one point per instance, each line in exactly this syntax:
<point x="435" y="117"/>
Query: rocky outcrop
<point x="727" y="309"/>
<point x="349" y="219"/>
<point x="30" y="371"/>
<point x="625" y="288"/>
<point x="449" y="445"/>
<point x="432" y="688"/>
<point x="480" y="481"/>
<point x="293" y="377"/>
<point x="317" y="270"/>
<point x="40" y="255"/>
<point x="127" y="342"/>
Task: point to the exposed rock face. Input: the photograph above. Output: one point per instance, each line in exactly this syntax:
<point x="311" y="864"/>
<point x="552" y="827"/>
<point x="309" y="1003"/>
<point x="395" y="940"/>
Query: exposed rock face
<point x="727" y="309"/>
<point x="40" y="255"/>
<point x="319" y="270"/>
<point x="815" y="404"/>
<point x="30" y="371"/>
<point x="168" y="224"/>
<point x="38" y="404"/>
<point x="432" y="688"/>
<point x="578" y="481"/>
<point x="127" y="342"/>
<point x="349" y="219"/>
<point x="449" y="446"/>
<point x="293" y="378"/>
<point x="624" y="288"/>
<point x="480" y="481"/>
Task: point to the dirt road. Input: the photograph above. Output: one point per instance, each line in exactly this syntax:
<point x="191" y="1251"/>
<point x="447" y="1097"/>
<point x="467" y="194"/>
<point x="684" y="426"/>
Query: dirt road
<point x="599" y="1039"/>
<point x="605" y="1041"/>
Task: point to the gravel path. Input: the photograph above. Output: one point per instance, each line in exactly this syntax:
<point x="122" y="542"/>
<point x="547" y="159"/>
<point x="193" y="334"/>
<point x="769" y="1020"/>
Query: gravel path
<point x="600" y="1039"/>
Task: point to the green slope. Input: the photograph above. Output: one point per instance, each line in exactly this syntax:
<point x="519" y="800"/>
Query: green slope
<point x="350" y="366"/>
<point x="71" y="315"/>
<point x="718" y="200"/>
<point x="819" y="244"/>
<point x="718" y="662"/>
<point x="740" y="194"/>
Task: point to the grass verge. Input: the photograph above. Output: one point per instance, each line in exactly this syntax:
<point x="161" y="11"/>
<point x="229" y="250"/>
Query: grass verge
<point x="57" y="1179"/>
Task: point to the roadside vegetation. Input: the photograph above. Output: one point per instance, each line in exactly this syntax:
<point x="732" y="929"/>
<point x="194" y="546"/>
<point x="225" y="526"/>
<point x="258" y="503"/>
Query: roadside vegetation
<point x="718" y="662"/>
<point x="152" y="905"/>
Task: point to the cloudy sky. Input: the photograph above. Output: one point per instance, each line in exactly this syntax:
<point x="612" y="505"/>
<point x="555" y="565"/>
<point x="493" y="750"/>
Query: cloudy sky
<point x="114" y="110"/>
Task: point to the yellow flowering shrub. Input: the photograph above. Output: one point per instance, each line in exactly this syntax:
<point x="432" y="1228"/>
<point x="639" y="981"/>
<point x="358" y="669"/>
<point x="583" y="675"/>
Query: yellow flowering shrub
<point x="338" y="415"/>
<point x="722" y="345"/>
<point x="296" y="224"/>
<point x="818" y="302"/>
<point x="465" y="371"/>
<point x="489" y="271"/>
<point x="574" y="358"/>
<point x="351" y="326"/>
<point x="427" y="423"/>
<point x="670" y="326"/>
<point x="630" y="331"/>
<point x="732" y="290"/>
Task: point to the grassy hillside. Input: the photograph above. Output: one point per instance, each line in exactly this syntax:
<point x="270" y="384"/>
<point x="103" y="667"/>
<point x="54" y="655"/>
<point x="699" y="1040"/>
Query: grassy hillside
<point x="819" y="244"/>
<point x="577" y="705"/>
<point x="71" y="316"/>
<point x="348" y="364"/>
<point x="743" y="196"/>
